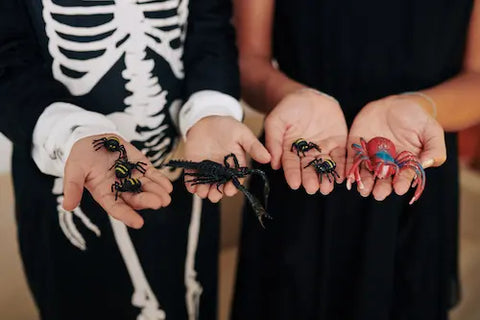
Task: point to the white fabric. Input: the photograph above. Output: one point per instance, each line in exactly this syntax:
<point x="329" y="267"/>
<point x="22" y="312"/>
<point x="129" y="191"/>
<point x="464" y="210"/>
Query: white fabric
<point x="207" y="103"/>
<point x="58" y="128"/>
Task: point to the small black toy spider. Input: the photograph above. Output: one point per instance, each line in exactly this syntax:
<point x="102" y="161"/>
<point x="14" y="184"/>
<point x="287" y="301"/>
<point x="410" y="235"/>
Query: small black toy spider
<point x="112" y="144"/>
<point x="326" y="167"/>
<point x="211" y="172"/>
<point x="301" y="145"/>
<point x="128" y="185"/>
<point x="124" y="168"/>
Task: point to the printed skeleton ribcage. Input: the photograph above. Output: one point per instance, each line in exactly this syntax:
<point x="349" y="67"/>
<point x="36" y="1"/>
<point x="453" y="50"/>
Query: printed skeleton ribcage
<point x="126" y="29"/>
<point x="82" y="55"/>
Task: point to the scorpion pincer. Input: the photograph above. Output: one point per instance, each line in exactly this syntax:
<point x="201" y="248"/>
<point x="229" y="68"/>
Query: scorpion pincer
<point x="211" y="172"/>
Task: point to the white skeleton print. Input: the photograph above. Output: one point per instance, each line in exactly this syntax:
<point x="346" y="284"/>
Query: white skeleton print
<point x="130" y="34"/>
<point x="126" y="32"/>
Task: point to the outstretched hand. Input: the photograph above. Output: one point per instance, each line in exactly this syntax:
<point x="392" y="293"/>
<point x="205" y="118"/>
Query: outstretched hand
<point x="316" y="118"/>
<point x="402" y="120"/>
<point x="214" y="137"/>
<point x="88" y="168"/>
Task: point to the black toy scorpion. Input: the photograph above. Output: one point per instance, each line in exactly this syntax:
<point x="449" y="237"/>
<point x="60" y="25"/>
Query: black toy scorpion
<point x="210" y="172"/>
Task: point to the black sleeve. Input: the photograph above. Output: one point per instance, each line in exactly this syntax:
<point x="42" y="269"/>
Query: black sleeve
<point x="210" y="57"/>
<point x="26" y="84"/>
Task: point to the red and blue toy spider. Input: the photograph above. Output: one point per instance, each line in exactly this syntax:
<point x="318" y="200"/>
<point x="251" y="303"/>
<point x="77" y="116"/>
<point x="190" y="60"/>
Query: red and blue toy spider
<point x="380" y="157"/>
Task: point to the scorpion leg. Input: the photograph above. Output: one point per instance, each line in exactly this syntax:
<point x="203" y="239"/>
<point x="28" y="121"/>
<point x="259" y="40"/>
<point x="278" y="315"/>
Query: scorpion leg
<point x="204" y="181"/>
<point x="235" y="161"/>
<point x="266" y="184"/>
<point x="260" y="212"/>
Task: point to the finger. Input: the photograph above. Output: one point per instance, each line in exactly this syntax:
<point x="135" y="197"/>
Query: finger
<point x="339" y="156"/>
<point x="120" y="211"/>
<point x="254" y="148"/>
<point x="158" y="190"/>
<point x="403" y="181"/>
<point x="327" y="183"/>
<point x="73" y="183"/>
<point x="142" y="200"/>
<point x="157" y="177"/>
<point x="382" y="189"/>
<point x="215" y="195"/>
<point x="274" y="133"/>
<point x="310" y="178"/>
<point x="434" y="151"/>
<point x="230" y="190"/>
<point x="189" y="185"/>
<point x="202" y="190"/>
<point x="291" y="168"/>
<point x="367" y="184"/>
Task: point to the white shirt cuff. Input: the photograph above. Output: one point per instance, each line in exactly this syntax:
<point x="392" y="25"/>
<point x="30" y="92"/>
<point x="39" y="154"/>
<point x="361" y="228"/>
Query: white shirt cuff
<point x="58" y="128"/>
<point x="207" y="103"/>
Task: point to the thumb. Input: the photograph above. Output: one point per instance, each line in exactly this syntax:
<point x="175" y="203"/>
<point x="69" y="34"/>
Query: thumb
<point x="274" y="133"/>
<point x="434" y="151"/>
<point x="73" y="183"/>
<point x="254" y="148"/>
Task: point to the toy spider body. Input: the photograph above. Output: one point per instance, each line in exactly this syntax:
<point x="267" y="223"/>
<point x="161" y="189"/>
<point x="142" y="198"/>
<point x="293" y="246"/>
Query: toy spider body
<point x="111" y="144"/>
<point x="128" y="185"/>
<point x="326" y="167"/>
<point x="301" y="145"/>
<point x="124" y="168"/>
<point x="380" y="157"/>
<point x="210" y="172"/>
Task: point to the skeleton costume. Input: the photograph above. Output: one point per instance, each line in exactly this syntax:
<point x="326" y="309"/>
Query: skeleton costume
<point x="144" y="69"/>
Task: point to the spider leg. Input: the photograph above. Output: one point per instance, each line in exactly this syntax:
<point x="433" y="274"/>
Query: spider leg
<point x="139" y="167"/>
<point x="114" y="164"/>
<point x="378" y="168"/>
<point x="99" y="140"/>
<point x="315" y="146"/>
<point x="328" y="176"/>
<point x="310" y="163"/>
<point x="355" y="169"/>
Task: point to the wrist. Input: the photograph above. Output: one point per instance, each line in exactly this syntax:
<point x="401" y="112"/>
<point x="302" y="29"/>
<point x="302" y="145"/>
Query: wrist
<point x="205" y="104"/>
<point x="423" y="100"/>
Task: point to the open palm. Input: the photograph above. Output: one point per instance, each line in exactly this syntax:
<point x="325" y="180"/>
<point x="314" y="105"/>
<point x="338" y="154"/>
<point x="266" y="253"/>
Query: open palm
<point x="88" y="168"/>
<point x="315" y="118"/>
<point x="409" y="127"/>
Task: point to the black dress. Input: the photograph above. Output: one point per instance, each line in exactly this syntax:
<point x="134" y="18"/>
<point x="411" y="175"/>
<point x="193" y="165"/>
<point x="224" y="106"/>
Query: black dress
<point x="342" y="256"/>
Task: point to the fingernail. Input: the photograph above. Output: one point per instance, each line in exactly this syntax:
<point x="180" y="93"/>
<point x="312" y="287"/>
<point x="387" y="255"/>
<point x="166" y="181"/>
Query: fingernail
<point x="428" y="163"/>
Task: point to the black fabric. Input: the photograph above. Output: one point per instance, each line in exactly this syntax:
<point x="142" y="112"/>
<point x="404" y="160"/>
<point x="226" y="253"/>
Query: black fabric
<point x="68" y="283"/>
<point x="208" y="49"/>
<point x="342" y="256"/>
<point x="26" y="85"/>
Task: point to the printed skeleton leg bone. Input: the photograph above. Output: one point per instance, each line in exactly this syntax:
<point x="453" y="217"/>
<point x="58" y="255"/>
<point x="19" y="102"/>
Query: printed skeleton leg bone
<point x="143" y="296"/>
<point x="193" y="287"/>
<point x="65" y="219"/>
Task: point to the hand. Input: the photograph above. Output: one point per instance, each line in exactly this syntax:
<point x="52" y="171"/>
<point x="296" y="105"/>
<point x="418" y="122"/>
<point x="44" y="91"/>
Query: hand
<point x="88" y="168"/>
<point x="404" y="121"/>
<point x="316" y="118"/>
<point x="214" y="137"/>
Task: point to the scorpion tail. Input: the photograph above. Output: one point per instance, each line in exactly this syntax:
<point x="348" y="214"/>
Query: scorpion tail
<point x="260" y="211"/>
<point x="266" y="184"/>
